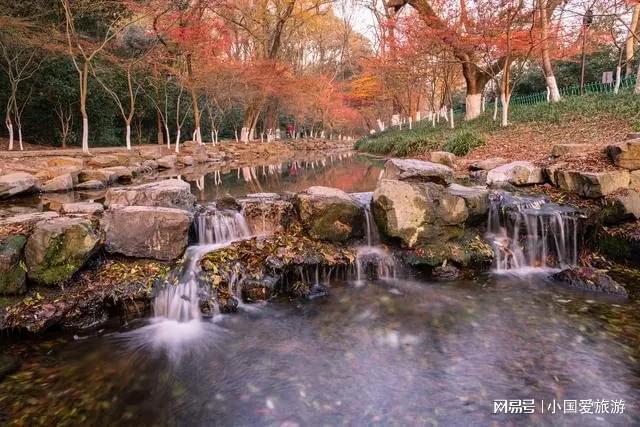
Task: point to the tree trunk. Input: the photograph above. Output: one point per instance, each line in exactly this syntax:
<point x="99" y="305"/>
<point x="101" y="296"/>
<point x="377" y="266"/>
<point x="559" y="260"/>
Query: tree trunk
<point x="20" y="137"/>
<point x="504" y="100"/>
<point x="178" y="140"/>
<point x="451" y="124"/>
<point x="250" y="119"/>
<point x="159" y="129"/>
<point x="631" y="39"/>
<point x="10" y="129"/>
<point x="84" y="78"/>
<point x="616" y="89"/>
<point x="128" y="135"/>
<point x="473" y="104"/>
<point x="636" y="90"/>
<point x="547" y="69"/>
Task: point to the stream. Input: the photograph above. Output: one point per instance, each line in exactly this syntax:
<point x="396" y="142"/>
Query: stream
<point x="388" y="348"/>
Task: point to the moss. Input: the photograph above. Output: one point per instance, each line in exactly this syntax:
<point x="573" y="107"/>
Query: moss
<point x="617" y="248"/>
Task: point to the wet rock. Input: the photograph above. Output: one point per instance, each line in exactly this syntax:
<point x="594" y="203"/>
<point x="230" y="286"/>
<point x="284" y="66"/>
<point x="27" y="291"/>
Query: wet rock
<point x="517" y="173"/>
<point x="592" y="184"/>
<point x="317" y="291"/>
<point x="418" y="171"/>
<point x="17" y="183"/>
<point x="90" y="185"/>
<point x="227" y="304"/>
<point x="169" y="193"/>
<point x="105" y="176"/>
<point x="329" y="214"/>
<point x="478" y="176"/>
<point x="446" y="272"/>
<point x="228" y="203"/>
<point x="167" y="162"/>
<point x="149" y="165"/>
<point x="186" y="160"/>
<point x="415" y="212"/>
<point x="57" y="248"/>
<point x="28" y="218"/>
<point x="268" y="216"/>
<point x="443" y="158"/>
<point x="476" y="199"/>
<point x="625" y="154"/>
<point x="257" y="290"/>
<point x="12" y="272"/>
<point x="104" y="160"/>
<point x="60" y="183"/>
<point x="121" y="174"/>
<point x="562" y="149"/>
<point x="147" y="231"/>
<point x="84" y="208"/>
<point x="589" y="279"/>
<point x="470" y="250"/>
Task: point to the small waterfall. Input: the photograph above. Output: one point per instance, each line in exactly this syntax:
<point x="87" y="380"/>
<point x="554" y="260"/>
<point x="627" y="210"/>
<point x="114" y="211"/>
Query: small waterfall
<point x="531" y="232"/>
<point x="373" y="261"/>
<point x="215" y="229"/>
<point x="220" y="226"/>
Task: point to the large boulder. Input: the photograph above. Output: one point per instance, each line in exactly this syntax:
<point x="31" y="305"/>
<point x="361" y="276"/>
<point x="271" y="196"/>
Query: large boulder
<point x="121" y="174"/>
<point x="167" y="162"/>
<point x="82" y="208"/>
<point x="488" y="164"/>
<point x="104" y="161"/>
<point x="17" y="183"/>
<point x="93" y="184"/>
<point x="625" y="154"/>
<point x="168" y="193"/>
<point x="12" y="272"/>
<point x="476" y="199"/>
<point x="105" y="176"/>
<point x="621" y="206"/>
<point x="418" y="171"/>
<point x="415" y="212"/>
<point x="58" y="248"/>
<point x="592" y="184"/>
<point x="147" y="231"/>
<point x="443" y="158"/>
<point x="517" y="173"/>
<point x="589" y="279"/>
<point x="329" y="214"/>
<point x="267" y="215"/>
<point x="60" y="183"/>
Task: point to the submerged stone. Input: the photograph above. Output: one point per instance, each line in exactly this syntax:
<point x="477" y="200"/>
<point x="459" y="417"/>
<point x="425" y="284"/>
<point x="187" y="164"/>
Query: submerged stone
<point x="589" y="279"/>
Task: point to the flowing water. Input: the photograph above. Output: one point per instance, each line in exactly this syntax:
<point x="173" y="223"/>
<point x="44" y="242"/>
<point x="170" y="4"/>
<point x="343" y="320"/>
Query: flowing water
<point x="382" y="348"/>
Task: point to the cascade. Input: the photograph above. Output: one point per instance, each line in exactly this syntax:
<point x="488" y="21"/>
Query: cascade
<point x="372" y="260"/>
<point x="531" y="232"/>
<point x="215" y="229"/>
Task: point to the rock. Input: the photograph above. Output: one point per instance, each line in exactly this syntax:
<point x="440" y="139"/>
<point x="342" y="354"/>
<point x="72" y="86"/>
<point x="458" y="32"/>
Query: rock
<point x="329" y="214"/>
<point x="186" y="160"/>
<point x="121" y="174"/>
<point x="415" y="212"/>
<point x="488" y="164"/>
<point x="84" y="208"/>
<point x="228" y="202"/>
<point x="516" y="173"/>
<point x="625" y="154"/>
<point x="58" y="248"/>
<point x="418" y="171"/>
<point x="168" y="193"/>
<point x="443" y="158"/>
<point x="62" y="161"/>
<point x="475" y="198"/>
<point x="562" y="149"/>
<point x="592" y="184"/>
<point x="262" y="196"/>
<point x="28" y="218"/>
<point x="478" y="176"/>
<point x="147" y="231"/>
<point x="446" y="272"/>
<point x="104" y="161"/>
<point x="589" y="279"/>
<point x="167" y="162"/>
<point x="17" y="183"/>
<point x="59" y="183"/>
<point x="267" y="216"/>
<point x="12" y="273"/>
<point x="550" y="172"/>
<point x="468" y="251"/>
<point x="90" y="185"/>
<point x="150" y="165"/>
<point x="621" y="206"/>
<point x="105" y="176"/>
<point x="634" y="180"/>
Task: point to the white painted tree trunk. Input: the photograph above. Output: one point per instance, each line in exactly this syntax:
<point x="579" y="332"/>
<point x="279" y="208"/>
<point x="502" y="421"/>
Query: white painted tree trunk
<point x="215" y="132"/>
<point x="20" y="138"/>
<point x="552" y="85"/>
<point x="235" y="131"/>
<point x="616" y="89"/>
<point x="495" y="108"/>
<point x="168" y="135"/>
<point x="197" y="136"/>
<point x="244" y="135"/>
<point x="636" y="90"/>
<point x="473" y="106"/>
<point x="128" y="136"/>
<point x="451" y="123"/>
<point x="504" y="100"/>
<point x="410" y="123"/>
<point x="178" y="141"/>
<point x="10" y="128"/>
<point x="85" y="134"/>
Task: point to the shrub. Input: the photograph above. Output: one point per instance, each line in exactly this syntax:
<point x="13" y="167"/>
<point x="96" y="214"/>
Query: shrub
<point x="462" y="142"/>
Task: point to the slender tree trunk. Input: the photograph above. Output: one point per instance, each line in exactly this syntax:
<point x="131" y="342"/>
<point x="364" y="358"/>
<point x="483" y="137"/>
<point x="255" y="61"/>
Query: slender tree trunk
<point x="451" y="124"/>
<point x="160" y="136"/>
<point x="20" y="137"/>
<point x="178" y="140"/>
<point x="128" y="135"/>
<point x="504" y="100"/>
<point x="636" y="89"/>
<point x="631" y="39"/>
<point x="9" y="125"/>
<point x="84" y="77"/>
<point x="547" y="69"/>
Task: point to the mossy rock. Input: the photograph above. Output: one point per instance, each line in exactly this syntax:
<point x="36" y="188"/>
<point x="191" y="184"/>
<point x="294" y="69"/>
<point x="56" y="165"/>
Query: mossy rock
<point x="12" y="268"/>
<point x="58" y="248"/>
<point x="469" y="252"/>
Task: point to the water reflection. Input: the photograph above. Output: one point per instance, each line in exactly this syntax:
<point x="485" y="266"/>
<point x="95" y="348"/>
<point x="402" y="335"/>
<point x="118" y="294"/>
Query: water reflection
<point x="389" y="353"/>
<point x="346" y="171"/>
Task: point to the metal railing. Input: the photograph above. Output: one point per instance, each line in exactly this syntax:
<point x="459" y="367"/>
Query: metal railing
<point x="574" y="90"/>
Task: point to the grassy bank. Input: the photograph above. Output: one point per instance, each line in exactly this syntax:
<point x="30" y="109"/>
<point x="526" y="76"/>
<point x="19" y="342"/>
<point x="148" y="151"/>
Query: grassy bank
<point x="574" y="111"/>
